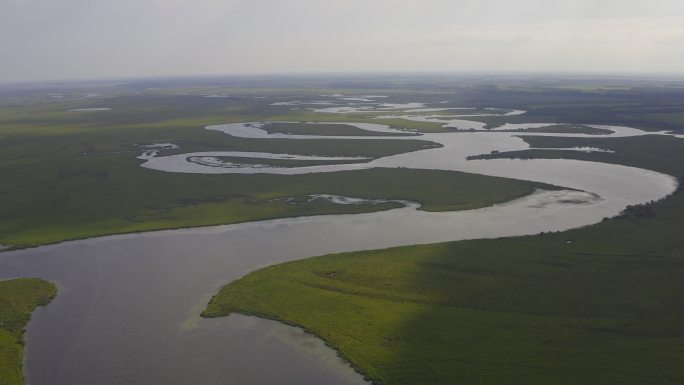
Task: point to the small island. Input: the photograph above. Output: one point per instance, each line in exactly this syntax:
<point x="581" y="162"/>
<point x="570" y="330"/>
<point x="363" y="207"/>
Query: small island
<point x="18" y="299"/>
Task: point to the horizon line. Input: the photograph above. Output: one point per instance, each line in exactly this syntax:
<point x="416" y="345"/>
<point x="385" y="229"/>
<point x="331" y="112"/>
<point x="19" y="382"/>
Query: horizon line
<point x="601" y="74"/>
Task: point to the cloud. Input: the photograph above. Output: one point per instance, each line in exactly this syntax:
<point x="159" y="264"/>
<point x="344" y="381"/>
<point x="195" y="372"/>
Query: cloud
<point x="48" y="39"/>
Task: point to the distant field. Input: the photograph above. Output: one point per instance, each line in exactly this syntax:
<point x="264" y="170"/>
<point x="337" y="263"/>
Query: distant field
<point x="323" y="129"/>
<point x="285" y="162"/>
<point x="18" y="299"/>
<point x="110" y="194"/>
<point x="569" y="129"/>
<point x="654" y="152"/>
<point x="75" y="174"/>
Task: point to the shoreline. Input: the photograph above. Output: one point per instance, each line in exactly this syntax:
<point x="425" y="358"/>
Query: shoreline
<point x="4" y="249"/>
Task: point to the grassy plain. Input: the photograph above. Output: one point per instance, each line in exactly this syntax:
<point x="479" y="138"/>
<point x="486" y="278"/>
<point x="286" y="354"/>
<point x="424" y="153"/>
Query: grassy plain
<point x="386" y="118"/>
<point x="324" y="129"/>
<point x="284" y="162"/>
<point x="112" y="194"/>
<point x="18" y="299"/>
<point x="568" y="129"/>
<point x="597" y="305"/>
<point x="74" y="174"/>
<point x="653" y="152"/>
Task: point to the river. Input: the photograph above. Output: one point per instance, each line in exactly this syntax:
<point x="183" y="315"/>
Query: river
<point x="128" y="306"/>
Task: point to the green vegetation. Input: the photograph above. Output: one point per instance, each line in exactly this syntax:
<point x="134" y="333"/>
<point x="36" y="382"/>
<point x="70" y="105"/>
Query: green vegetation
<point x="409" y="125"/>
<point x="492" y="122"/>
<point x="653" y="152"/>
<point x="600" y="305"/>
<point x="597" y="305"/>
<point x="387" y="119"/>
<point x="110" y="194"/>
<point x="18" y="299"/>
<point x="568" y="129"/>
<point x="285" y="162"/>
<point x="495" y="122"/>
<point x="76" y="175"/>
<point x="323" y="129"/>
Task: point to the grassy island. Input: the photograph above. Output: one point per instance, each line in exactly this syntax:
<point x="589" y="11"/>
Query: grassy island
<point x="597" y="305"/>
<point x="18" y="299"/>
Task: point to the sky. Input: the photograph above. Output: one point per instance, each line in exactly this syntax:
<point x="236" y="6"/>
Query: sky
<point x="91" y="39"/>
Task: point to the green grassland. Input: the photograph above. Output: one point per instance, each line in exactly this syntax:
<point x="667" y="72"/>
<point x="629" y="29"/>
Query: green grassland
<point x="552" y="128"/>
<point x="51" y="158"/>
<point x="284" y="162"/>
<point x="409" y="125"/>
<point x="568" y="129"/>
<point x="18" y="299"/>
<point x="492" y="122"/>
<point x="387" y="119"/>
<point x="596" y="305"/>
<point x="71" y="175"/>
<point x="74" y="174"/>
<point x="653" y="152"/>
<point x="110" y="194"/>
<point x="323" y="129"/>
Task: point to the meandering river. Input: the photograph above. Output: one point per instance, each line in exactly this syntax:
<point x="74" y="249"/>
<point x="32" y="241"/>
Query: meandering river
<point x="128" y="307"/>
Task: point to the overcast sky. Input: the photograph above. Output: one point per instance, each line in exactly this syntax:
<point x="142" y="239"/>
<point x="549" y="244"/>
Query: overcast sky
<point x="62" y="39"/>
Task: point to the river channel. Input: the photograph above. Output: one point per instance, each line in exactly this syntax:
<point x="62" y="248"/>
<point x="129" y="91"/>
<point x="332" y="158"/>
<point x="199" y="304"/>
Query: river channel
<point x="128" y="306"/>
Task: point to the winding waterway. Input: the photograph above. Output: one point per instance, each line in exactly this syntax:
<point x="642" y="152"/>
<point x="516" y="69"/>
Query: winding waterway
<point x="128" y="307"/>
